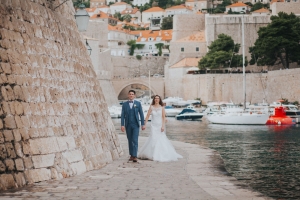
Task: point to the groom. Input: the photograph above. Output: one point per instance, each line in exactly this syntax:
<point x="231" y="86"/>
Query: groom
<point x="131" y="110"/>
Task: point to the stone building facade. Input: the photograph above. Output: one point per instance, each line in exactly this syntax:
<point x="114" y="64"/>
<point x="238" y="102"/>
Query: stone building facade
<point x="54" y="119"/>
<point x="292" y="6"/>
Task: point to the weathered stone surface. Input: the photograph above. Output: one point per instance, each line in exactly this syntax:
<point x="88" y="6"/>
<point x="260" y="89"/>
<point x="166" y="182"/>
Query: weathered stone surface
<point x="8" y="135"/>
<point x="2" y="166"/>
<point x="10" y="164"/>
<point x="50" y="96"/>
<point x="19" y="164"/>
<point x="43" y="160"/>
<point x="37" y="175"/>
<point x="7" y="181"/>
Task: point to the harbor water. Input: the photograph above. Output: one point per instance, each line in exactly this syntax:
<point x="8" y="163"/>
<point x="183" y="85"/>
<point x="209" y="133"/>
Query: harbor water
<point x="265" y="158"/>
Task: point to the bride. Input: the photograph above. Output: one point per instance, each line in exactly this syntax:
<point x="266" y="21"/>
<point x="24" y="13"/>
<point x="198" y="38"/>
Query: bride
<point x="157" y="146"/>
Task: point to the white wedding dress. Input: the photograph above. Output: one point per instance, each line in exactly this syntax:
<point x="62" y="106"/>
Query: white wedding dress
<point x="158" y="147"/>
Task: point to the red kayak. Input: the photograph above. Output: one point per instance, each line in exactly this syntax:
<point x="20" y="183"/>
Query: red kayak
<point x="280" y="118"/>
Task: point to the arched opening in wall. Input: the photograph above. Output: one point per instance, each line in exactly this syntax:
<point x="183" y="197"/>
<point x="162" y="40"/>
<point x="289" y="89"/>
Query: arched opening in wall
<point x="142" y="93"/>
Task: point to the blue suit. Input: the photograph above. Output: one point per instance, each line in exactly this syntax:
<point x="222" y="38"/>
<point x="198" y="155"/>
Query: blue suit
<point x="130" y="119"/>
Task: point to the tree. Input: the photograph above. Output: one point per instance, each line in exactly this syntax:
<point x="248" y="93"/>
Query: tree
<point x="162" y="3"/>
<point x="118" y="16"/>
<point x="257" y="6"/>
<point x="222" y="6"/>
<point x="77" y="3"/>
<point x="159" y="47"/>
<point x="127" y="18"/>
<point x="222" y="53"/>
<point x="133" y="45"/>
<point x="278" y="43"/>
<point x="167" y="23"/>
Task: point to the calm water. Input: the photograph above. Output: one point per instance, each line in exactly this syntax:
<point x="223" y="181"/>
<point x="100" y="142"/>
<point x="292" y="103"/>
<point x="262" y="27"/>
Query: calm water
<point x="264" y="157"/>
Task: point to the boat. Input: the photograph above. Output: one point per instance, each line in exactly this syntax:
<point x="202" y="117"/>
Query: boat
<point x="237" y="115"/>
<point x="280" y="118"/>
<point x="170" y="111"/>
<point x="189" y="114"/>
<point x="291" y="110"/>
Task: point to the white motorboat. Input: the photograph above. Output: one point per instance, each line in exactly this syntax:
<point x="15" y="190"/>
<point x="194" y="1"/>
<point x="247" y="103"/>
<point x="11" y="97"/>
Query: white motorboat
<point x="189" y="114"/>
<point x="236" y="115"/>
<point x="171" y="112"/>
<point x="115" y="111"/>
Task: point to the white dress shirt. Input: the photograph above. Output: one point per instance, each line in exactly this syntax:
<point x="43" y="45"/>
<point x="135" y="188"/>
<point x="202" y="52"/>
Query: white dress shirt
<point x="131" y="104"/>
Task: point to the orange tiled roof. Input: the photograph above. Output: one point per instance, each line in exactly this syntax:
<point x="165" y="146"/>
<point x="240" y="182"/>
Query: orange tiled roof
<point x="179" y="7"/>
<point x="117" y="28"/>
<point x="238" y="4"/>
<point x="102" y="15"/>
<point x="154" y="9"/>
<point x="104" y="6"/>
<point x="166" y="35"/>
<point x="90" y="9"/>
<point x="262" y="10"/>
<point x="273" y="1"/>
<point x="119" y="3"/>
<point x="129" y="11"/>
<point x="197" y="37"/>
<point x="186" y="62"/>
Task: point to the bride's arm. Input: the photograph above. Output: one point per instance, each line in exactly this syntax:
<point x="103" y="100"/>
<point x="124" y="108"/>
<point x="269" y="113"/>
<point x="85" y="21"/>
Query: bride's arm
<point x="163" y="119"/>
<point x="148" y="115"/>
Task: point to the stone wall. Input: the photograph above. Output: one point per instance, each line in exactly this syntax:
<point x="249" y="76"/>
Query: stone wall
<point x="287" y="7"/>
<point x="232" y="25"/>
<point x="186" y="25"/>
<point x="260" y="87"/>
<point x="54" y="119"/>
<point x="129" y="66"/>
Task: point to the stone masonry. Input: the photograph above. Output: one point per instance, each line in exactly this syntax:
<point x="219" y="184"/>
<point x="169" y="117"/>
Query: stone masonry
<point x="54" y="121"/>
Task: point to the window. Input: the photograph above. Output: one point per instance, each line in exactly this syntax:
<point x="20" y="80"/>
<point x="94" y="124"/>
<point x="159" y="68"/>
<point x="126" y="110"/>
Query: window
<point x="182" y="49"/>
<point x="150" y="46"/>
<point x="197" y="48"/>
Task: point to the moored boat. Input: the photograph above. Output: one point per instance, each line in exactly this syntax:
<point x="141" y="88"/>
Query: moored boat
<point x="280" y="118"/>
<point x="189" y="114"/>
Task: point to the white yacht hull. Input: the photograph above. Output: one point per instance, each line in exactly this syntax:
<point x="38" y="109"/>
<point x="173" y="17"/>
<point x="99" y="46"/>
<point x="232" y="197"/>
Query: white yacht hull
<point x="238" y="118"/>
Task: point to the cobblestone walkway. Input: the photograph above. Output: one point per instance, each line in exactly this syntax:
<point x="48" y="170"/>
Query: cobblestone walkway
<point x="193" y="177"/>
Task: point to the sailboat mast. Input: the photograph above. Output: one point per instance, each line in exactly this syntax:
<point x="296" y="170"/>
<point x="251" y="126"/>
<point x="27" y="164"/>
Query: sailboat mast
<point x="244" y="74"/>
<point x="149" y="86"/>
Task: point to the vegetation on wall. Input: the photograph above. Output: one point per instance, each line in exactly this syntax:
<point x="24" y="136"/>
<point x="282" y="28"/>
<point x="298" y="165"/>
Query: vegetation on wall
<point x="133" y="45"/>
<point x="159" y="46"/>
<point x="278" y="43"/>
<point x="223" y="52"/>
<point x="167" y="23"/>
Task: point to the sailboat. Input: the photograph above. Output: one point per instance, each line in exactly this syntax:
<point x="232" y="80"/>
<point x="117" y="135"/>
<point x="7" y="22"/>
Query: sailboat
<point x="236" y="115"/>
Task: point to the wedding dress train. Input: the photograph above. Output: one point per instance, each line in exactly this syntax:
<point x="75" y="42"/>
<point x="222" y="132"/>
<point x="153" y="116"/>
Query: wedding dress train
<point x="158" y="147"/>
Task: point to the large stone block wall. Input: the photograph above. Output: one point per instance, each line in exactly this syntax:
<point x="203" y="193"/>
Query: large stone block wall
<point x="54" y="119"/>
<point x="287" y="7"/>
<point x="130" y="67"/>
<point x="232" y="25"/>
<point x="260" y="87"/>
<point x="186" y="25"/>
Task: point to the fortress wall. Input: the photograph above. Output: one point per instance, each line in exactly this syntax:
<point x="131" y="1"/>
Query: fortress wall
<point x="269" y="86"/>
<point x="186" y="25"/>
<point x="54" y="121"/>
<point x="129" y="66"/>
<point x="232" y="25"/>
<point x="287" y="7"/>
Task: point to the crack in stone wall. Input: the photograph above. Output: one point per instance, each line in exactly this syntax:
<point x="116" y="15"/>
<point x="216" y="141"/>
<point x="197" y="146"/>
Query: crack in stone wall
<point x="54" y="121"/>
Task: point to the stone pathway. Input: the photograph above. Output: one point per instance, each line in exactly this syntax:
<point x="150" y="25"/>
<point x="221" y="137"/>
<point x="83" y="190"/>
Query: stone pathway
<point x="196" y="176"/>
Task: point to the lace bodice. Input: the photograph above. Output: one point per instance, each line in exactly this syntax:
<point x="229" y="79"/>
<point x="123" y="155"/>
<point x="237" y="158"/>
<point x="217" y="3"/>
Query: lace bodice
<point x="156" y="119"/>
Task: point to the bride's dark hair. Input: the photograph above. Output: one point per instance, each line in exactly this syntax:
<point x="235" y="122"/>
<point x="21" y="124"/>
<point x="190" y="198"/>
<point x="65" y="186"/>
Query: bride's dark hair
<point x="160" y="101"/>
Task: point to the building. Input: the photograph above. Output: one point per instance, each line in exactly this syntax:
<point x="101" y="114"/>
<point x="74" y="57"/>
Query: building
<point x="117" y="40"/>
<point x="238" y="7"/>
<point x="134" y="13"/>
<point x="287" y="6"/>
<point x="153" y="13"/>
<point x="96" y="3"/>
<point x="149" y="38"/>
<point x="261" y="11"/>
<point x="101" y="15"/>
<point x="198" y="5"/>
<point x="140" y="2"/>
<point x="178" y="10"/>
<point x="119" y="7"/>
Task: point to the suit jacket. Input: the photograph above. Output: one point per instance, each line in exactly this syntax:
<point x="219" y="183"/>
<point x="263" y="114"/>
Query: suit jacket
<point x="137" y="110"/>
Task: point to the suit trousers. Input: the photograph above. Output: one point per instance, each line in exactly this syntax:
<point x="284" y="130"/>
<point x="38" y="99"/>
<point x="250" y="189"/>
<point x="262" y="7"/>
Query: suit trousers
<point x="132" y="132"/>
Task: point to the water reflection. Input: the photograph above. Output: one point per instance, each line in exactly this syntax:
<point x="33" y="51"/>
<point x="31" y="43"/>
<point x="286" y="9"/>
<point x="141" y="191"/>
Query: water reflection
<point x="264" y="157"/>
